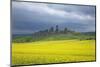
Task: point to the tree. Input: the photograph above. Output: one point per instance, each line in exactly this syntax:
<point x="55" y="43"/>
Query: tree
<point x="57" y="29"/>
<point x="51" y="30"/>
<point x="65" y="30"/>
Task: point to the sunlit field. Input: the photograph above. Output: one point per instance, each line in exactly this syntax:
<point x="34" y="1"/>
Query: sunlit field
<point x="43" y="52"/>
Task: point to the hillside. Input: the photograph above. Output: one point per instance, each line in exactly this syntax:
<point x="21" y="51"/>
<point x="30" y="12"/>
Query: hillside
<point x="32" y="38"/>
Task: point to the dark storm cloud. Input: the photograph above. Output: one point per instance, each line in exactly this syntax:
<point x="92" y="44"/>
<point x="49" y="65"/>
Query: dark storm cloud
<point x="30" y="17"/>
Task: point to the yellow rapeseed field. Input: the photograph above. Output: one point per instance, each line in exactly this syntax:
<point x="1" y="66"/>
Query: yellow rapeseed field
<point x="43" y="52"/>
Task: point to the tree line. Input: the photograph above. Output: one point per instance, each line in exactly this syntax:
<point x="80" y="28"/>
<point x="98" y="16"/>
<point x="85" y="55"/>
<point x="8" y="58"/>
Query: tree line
<point x="53" y="30"/>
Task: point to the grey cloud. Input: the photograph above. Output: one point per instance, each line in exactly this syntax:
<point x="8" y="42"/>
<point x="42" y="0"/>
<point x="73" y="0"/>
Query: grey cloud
<point x="34" y="16"/>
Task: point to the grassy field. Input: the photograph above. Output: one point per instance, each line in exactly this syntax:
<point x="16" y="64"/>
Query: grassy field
<point x="42" y="52"/>
<point x="30" y="38"/>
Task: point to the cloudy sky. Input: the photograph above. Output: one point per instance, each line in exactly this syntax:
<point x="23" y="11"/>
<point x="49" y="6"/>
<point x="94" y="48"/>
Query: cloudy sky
<point x="28" y="17"/>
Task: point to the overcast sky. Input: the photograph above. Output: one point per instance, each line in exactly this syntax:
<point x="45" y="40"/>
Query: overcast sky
<point x="29" y="17"/>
